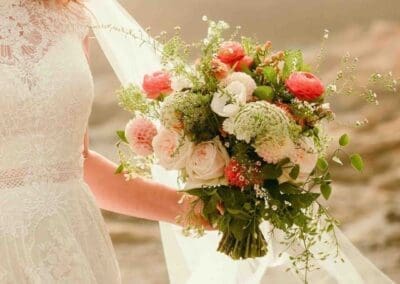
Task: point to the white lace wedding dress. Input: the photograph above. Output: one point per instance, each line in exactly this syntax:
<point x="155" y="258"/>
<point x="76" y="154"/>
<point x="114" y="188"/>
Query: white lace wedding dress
<point x="50" y="228"/>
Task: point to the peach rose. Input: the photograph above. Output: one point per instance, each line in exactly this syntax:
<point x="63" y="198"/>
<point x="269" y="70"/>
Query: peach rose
<point x="305" y="155"/>
<point x="171" y="149"/>
<point x="140" y="133"/>
<point x="230" y="52"/>
<point x="305" y="86"/>
<point x="156" y="84"/>
<point x="207" y="161"/>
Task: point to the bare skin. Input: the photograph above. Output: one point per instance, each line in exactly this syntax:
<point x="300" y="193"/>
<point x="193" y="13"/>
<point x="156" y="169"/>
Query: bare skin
<point x="137" y="197"/>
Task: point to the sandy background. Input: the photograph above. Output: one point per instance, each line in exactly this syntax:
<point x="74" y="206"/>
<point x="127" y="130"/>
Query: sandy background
<point x="369" y="204"/>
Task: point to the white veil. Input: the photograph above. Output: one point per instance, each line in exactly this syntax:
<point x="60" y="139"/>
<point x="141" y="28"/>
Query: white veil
<point x="195" y="261"/>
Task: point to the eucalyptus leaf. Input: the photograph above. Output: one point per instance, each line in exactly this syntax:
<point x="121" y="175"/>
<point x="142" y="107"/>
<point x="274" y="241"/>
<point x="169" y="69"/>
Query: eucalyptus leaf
<point x="322" y="164"/>
<point x="326" y="190"/>
<point x="344" y="140"/>
<point x="357" y="162"/>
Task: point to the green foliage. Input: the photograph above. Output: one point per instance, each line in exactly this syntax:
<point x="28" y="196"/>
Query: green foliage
<point x="265" y="93"/>
<point x="121" y="136"/>
<point x="199" y="121"/>
<point x="357" y="162"/>
<point x="239" y="224"/>
<point x="295" y="171"/>
<point x="132" y="99"/>
<point x="322" y="164"/>
<point x="270" y="75"/>
<point x="326" y="190"/>
<point x="344" y="140"/>
<point x="293" y="62"/>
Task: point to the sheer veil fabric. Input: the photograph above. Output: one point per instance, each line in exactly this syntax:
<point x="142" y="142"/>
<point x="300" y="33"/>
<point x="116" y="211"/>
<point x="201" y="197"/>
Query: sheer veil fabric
<point x="195" y="261"/>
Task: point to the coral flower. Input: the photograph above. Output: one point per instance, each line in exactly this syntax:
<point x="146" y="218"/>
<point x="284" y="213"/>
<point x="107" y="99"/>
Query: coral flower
<point x="244" y="63"/>
<point x="156" y="84"/>
<point x="305" y="86"/>
<point x="231" y="52"/>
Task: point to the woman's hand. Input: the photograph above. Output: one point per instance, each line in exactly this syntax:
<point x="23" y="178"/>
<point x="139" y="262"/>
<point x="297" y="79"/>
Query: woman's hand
<point x="192" y="206"/>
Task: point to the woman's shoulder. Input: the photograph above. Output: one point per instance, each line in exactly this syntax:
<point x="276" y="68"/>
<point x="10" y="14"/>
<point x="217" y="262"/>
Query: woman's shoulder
<point x="79" y="18"/>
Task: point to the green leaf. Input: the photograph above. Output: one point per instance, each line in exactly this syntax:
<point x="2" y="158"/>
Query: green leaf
<point x="326" y="190"/>
<point x="271" y="171"/>
<point x="303" y="200"/>
<point x="120" y="169"/>
<point x="239" y="214"/>
<point x="357" y="162"/>
<point x="293" y="62"/>
<point x="294" y="173"/>
<point x="283" y="162"/>
<point x="271" y="75"/>
<point x="121" y="136"/>
<point x="264" y="93"/>
<point x="289" y="188"/>
<point x="322" y="164"/>
<point x="344" y="140"/>
<point x="337" y="160"/>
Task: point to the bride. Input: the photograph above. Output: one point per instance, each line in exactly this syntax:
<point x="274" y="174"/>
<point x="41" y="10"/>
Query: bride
<point x="51" y="230"/>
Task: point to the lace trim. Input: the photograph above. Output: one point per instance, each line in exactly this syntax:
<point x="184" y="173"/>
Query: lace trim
<point x="58" y="173"/>
<point x="28" y="30"/>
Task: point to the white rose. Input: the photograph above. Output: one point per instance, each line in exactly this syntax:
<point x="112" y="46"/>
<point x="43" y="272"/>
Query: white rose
<point x="227" y="103"/>
<point x="171" y="149"/>
<point x="246" y="80"/>
<point x="180" y="83"/>
<point x="305" y="155"/>
<point x="207" y="162"/>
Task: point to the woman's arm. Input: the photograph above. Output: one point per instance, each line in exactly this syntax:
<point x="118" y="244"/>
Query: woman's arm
<point x="138" y="197"/>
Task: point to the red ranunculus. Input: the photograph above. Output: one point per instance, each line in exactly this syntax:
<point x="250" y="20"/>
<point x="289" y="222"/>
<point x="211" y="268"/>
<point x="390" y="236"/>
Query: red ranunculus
<point x="230" y="52"/>
<point x="244" y="63"/>
<point x="305" y="86"/>
<point x="156" y="84"/>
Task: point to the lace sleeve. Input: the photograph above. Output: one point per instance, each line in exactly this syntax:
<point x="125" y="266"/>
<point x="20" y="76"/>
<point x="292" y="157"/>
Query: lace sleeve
<point x="80" y="18"/>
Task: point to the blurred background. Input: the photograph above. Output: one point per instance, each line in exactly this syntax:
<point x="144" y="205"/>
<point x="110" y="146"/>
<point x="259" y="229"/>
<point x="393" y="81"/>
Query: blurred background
<point x="367" y="204"/>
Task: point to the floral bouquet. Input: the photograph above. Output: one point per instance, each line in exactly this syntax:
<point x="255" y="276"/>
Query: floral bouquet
<point x="244" y="127"/>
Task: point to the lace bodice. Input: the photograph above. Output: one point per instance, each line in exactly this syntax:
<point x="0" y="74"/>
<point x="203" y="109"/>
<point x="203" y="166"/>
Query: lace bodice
<point x="46" y="90"/>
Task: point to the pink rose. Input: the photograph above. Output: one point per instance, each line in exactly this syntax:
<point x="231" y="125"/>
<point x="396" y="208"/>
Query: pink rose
<point x="244" y="63"/>
<point x="230" y="52"/>
<point x="140" y="133"/>
<point x="305" y="86"/>
<point x="156" y="84"/>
